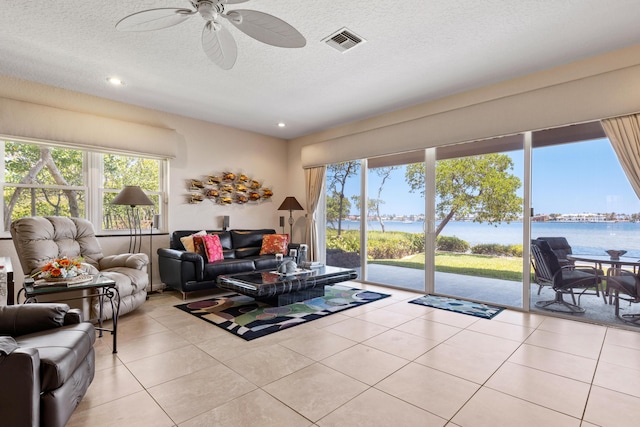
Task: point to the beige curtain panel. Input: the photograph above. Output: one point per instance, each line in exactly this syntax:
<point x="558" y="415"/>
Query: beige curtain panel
<point x="624" y="134"/>
<point x="314" y="180"/>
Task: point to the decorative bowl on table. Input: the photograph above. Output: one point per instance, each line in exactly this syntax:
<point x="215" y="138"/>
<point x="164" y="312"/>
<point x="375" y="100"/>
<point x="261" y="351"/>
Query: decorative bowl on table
<point x="616" y="254"/>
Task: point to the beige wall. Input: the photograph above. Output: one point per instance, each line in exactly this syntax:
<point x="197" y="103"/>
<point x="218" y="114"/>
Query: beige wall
<point x="206" y="148"/>
<point x="595" y="88"/>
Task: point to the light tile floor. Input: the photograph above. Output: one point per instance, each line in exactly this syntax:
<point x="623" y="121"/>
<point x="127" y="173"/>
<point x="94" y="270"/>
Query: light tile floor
<point x="385" y="363"/>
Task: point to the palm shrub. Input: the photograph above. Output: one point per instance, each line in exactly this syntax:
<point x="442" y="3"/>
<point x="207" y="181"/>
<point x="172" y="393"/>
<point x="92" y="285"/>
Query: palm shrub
<point x="451" y="244"/>
<point x="497" y="250"/>
<point x="348" y="241"/>
<point x="389" y="245"/>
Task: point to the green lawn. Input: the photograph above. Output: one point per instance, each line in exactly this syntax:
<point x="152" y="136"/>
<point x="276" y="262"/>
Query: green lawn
<point x="507" y="268"/>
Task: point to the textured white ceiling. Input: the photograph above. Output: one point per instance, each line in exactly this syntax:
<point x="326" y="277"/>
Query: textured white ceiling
<point x="416" y="51"/>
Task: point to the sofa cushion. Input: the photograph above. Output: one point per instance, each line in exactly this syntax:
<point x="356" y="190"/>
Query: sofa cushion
<point x="248" y="238"/>
<point x="265" y="262"/>
<point x="225" y="238"/>
<point x="247" y="252"/>
<point x="213" y="269"/>
<point x="274" y="244"/>
<point x="61" y="351"/>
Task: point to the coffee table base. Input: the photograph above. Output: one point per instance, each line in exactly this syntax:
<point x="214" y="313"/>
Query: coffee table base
<point x="293" y="297"/>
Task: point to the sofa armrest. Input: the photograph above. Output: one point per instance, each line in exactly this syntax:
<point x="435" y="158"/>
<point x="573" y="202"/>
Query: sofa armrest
<point x="20" y="391"/>
<point x="190" y="266"/>
<point x="73" y="317"/>
<point x="137" y="261"/>
<point x="25" y="319"/>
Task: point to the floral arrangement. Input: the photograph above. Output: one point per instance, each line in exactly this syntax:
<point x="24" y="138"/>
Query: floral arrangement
<point x="61" y="268"/>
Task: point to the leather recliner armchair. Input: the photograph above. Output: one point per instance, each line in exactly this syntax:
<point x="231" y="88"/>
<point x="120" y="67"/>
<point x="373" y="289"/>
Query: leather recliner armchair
<point x="38" y="240"/>
<point x="47" y="363"/>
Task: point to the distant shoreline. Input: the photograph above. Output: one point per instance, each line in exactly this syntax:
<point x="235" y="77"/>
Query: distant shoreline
<point x="585" y="237"/>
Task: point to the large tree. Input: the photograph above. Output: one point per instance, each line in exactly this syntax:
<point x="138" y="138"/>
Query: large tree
<point x="337" y="176"/>
<point x="385" y="174"/>
<point x="30" y="164"/>
<point x="480" y="187"/>
<point x="333" y="208"/>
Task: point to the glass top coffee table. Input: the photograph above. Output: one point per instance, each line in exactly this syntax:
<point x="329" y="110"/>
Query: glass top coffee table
<point x="278" y="289"/>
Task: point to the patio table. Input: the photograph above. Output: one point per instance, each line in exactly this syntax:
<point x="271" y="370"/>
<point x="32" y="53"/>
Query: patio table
<point x="605" y="259"/>
<point x="598" y="260"/>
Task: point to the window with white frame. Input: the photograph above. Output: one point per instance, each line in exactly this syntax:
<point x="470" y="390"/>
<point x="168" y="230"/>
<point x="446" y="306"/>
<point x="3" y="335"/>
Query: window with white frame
<point x="41" y="180"/>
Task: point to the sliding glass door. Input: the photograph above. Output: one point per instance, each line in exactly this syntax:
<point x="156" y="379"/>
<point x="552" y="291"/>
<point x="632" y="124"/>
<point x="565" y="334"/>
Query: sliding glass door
<point x="395" y="221"/>
<point x="479" y="221"/>
<point x="457" y="220"/>
<point x="582" y="199"/>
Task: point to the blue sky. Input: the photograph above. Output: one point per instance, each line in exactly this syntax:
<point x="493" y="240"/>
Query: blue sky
<point x="568" y="178"/>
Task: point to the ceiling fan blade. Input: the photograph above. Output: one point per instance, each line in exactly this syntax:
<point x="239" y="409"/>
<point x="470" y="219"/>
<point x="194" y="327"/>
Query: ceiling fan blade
<point x="232" y="1"/>
<point x="154" y="19"/>
<point x="219" y="45"/>
<point x="266" y="28"/>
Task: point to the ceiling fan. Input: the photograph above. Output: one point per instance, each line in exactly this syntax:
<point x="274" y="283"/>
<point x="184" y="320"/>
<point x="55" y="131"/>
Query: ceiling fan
<point x="217" y="41"/>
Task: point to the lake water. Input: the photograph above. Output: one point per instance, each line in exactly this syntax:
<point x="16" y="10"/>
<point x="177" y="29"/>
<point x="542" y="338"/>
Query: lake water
<point x="584" y="237"/>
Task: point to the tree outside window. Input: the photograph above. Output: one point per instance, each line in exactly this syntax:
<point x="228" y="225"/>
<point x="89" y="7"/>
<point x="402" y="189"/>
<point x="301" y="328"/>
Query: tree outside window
<point x="40" y="180"/>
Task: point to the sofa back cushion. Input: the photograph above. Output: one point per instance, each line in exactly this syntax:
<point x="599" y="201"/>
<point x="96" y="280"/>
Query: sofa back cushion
<point x="175" y="243"/>
<point x="248" y="242"/>
<point x="38" y="240"/>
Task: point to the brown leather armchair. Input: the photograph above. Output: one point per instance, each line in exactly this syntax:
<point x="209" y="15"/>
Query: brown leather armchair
<point x="47" y="363"/>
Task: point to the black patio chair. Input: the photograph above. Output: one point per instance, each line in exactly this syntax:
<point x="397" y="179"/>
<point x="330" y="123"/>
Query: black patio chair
<point x="624" y="285"/>
<point x="561" y="247"/>
<point x="563" y="279"/>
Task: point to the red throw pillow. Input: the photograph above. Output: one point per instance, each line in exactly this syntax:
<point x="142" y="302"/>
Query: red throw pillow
<point x="274" y="244"/>
<point x="213" y="247"/>
<point x="198" y="246"/>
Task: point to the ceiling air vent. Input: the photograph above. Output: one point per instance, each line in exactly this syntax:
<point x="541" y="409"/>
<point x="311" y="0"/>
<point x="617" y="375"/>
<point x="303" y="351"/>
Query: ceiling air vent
<point x="343" y="40"/>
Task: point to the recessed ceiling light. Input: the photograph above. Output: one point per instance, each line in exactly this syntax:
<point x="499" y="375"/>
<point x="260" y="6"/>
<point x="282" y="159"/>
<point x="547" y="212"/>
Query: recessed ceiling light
<point x="115" y="81"/>
<point x="281" y="125"/>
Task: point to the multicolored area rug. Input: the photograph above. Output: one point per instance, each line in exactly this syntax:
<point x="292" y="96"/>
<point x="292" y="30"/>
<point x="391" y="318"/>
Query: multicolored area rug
<point x="250" y="319"/>
<point x="459" y="306"/>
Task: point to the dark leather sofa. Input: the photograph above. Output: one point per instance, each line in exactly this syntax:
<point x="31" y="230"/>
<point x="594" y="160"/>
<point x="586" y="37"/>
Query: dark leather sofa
<point x="189" y="271"/>
<point x="47" y="363"/>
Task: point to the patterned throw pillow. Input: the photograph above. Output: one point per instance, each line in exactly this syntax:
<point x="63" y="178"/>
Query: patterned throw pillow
<point x="213" y="247"/>
<point x="187" y="241"/>
<point x="274" y="244"/>
<point x="198" y="245"/>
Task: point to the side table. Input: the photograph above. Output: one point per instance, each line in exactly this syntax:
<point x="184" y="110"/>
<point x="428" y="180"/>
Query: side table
<point x="100" y="286"/>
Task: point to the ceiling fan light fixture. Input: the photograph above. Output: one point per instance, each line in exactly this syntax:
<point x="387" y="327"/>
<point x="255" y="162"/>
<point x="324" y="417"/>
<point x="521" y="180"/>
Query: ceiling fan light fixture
<point x="282" y="124"/>
<point x="217" y="42"/>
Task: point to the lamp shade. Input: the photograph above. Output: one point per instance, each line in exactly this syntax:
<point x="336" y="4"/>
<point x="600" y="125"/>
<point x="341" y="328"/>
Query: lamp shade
<point x="290" y="204"/>
<point x="132" y="195"/>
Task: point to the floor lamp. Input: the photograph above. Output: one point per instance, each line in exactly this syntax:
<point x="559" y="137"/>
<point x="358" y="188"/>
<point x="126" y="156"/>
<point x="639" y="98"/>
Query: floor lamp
<point x="133" y="196"/>
<point x="290" y="204"/>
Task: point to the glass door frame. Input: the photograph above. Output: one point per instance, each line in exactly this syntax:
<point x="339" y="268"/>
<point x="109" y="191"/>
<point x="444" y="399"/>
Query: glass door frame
<point x="430" y="218"/>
